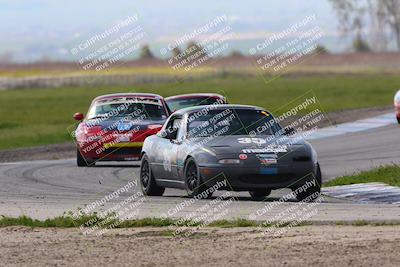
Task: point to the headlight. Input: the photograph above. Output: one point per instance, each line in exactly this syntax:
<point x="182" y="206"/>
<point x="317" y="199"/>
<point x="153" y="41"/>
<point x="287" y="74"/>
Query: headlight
<point x="229" y="161"/>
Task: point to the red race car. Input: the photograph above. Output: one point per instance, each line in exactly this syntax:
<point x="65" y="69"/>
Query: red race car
<point x="397" y="105"/>
<point x="189" y="100"/>
<point x="116" y="125"/>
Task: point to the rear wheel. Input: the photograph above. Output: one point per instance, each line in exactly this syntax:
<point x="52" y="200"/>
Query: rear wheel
<point x="398" y="119"/>
<point x="147" y="181"/>
<point x="193" y="181"/>
<point x="313" y="192"/>
<point x="260" y="194"/>
<point x="81" y="161"/>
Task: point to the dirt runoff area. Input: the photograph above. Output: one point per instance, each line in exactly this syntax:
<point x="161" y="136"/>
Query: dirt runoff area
<point x="300" y="246"/>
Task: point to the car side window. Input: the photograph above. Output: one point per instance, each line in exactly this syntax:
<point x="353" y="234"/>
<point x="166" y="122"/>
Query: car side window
<point x="181" y="129"/>
<point x="172" y="127"/>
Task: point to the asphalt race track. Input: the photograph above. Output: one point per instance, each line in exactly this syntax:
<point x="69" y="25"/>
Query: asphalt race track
<point x="346" y="154"/>
<point x="43" y="189"/>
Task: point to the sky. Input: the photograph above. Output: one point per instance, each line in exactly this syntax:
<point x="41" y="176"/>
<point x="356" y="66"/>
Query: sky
<point x="35" y="29"/>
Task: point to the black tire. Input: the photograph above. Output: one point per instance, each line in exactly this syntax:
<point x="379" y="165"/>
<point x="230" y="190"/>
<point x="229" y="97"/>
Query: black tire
<point x="147" y="181"/>
<point x="312" y="193"/>
<point x="398" y="119"/>
<point x="81" y="161"/>
<point x="260" y="194"/>
<point x="193" y="181"/>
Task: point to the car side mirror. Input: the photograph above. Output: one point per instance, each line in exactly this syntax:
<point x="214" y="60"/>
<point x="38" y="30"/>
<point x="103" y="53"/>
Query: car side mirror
<point x="78" y="116"/>
<point x="167" y="134"/>
<point x="171" y="134"/>
<point x="289" y="131"/>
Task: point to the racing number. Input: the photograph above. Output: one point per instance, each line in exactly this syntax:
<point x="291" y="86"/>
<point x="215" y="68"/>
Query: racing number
<point x="248" y="140"/>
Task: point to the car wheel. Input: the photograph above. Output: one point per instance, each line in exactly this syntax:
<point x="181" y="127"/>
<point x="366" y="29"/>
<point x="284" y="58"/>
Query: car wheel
<point x="81" y="161"/>
<point x="398" y="119"/>
<point x="193" y="181"/>
<point x="147" y="181"/>
<point x="312" y="193"/>
<point x="260" y="194"/>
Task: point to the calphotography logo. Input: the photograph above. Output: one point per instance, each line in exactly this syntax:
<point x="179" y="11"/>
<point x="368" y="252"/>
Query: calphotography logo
<point x="213" y="41"/>
<point x="288" y="47"/>
<point x="109" y="47"/>
<point x="197" y="213"/>
<point x="109" y="212"/>
<point x="279" y="216"/>
<point x="116" y="126"/>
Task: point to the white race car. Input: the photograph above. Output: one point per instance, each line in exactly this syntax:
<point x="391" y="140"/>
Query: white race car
<point x="397" y="105"/>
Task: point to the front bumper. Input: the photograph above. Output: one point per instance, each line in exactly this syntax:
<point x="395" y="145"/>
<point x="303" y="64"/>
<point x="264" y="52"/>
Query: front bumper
<point x="113" y="145"/>
<point x="112" y="151"/>
<point x="251" y="178"/>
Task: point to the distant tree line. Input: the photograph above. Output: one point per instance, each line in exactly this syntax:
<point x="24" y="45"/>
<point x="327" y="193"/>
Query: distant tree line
<point x="373" y="24"/>
<point x="192" y="48"/>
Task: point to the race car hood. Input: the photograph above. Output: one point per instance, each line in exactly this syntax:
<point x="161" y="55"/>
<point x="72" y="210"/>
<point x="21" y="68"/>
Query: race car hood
<point x="237" y="144"/>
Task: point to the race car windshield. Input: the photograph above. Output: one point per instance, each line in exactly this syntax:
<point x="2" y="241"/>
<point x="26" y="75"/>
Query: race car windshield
<point x="232" y="122"/>
<point x="145" y="111"/>
<point x="177" y="104"/>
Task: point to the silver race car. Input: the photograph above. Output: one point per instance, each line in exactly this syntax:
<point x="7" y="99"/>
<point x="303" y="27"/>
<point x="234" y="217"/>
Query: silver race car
<point x="242" y="146"/>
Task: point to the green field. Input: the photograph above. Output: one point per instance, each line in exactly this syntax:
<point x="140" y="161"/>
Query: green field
<point x="387" y="174"/>
<point x="30" y="117"/>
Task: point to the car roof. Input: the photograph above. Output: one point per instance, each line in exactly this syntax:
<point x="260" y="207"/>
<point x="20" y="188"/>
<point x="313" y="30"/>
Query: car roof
<point x="121" y="95"/>
<point x="216" y="107"/>
<point x="195" y="95"/>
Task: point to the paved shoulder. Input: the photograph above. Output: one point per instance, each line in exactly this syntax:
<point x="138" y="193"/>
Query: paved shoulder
<point x="353" y="152"/>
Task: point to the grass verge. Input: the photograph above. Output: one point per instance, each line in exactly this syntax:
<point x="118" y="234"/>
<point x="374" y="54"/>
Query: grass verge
<point x="68" y="222"/>
<point x="386" y="174"/>
<point x="93" y="220"/>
